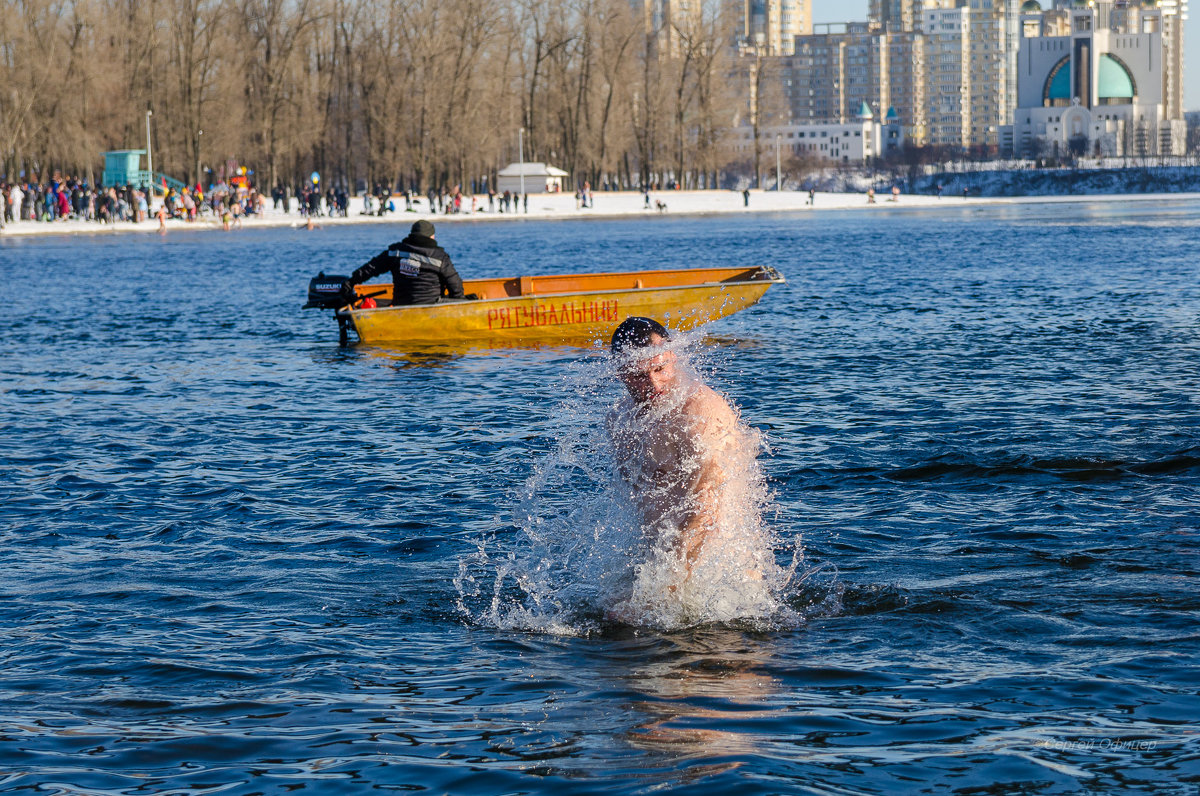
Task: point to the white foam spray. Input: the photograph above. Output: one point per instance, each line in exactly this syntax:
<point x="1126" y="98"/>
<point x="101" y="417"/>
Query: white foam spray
<point x="596" y="541"/>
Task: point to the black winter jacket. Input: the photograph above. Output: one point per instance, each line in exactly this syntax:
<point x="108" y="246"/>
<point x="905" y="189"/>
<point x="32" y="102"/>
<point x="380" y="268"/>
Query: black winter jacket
<point x="421" y="271"/>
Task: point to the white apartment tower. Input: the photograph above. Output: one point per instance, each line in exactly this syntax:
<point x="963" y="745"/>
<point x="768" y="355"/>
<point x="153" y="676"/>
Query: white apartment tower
<point x="970" y="70"/>
<point x="947" y="75"/>
<point x="769" y="27"/>
<point x="665" y="19"/>
<point x="896" y="16"/>
<point x="1174" y="14"/>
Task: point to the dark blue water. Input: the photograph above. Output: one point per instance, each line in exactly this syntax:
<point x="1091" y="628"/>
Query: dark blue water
<point x="231" y="547"/>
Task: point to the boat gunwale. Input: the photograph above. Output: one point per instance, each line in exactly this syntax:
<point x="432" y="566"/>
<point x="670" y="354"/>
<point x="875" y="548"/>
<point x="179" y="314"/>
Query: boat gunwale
<point x="478" y="302"/>
<point x="705" y="269"/>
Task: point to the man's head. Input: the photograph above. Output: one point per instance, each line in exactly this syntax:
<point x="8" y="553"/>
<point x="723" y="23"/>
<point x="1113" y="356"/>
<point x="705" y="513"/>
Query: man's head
<point x="645" y="367"/>
<point x="422" y="229"/>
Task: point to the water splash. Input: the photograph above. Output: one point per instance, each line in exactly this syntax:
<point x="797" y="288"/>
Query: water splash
<point x="601" y="534"/>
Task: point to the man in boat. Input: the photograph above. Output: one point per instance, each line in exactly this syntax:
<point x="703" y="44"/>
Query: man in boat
<point x="422" y="272"/>
<point x="689" y="461"/>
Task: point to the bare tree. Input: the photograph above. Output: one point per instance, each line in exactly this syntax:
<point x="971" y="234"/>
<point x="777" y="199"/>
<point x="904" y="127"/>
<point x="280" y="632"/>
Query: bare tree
<point x="618" y="36"/>
<point x="273" y="31"/>
<point x="199" y="49"/>
<point x="543" y="28"/>
<point x="767" y="105"/>
<point x="427" y="93"/>
<point x="647" y="103"/>
<point x="47" y="122"/>
<point x="715" y="94"/>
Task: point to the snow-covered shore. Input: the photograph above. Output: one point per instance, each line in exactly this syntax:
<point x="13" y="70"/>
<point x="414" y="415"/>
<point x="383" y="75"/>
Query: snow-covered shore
<point x="605" y="205"/>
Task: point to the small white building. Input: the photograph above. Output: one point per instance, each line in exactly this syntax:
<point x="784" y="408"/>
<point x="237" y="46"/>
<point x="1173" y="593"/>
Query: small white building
<point x="852" y="142"/>
<point x="538" y="177"/>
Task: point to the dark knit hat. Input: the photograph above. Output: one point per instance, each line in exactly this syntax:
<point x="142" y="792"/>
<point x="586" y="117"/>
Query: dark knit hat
<point x="423" y="228"/>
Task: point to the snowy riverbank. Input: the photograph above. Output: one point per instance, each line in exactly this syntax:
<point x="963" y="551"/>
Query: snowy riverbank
<point x="606" y="205"/>
<point x="1083" y="182"/>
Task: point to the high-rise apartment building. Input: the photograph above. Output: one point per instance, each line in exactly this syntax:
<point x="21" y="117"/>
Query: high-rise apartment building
<point x="904" y="84"/>
<point x="947" y="74"/>
<point x="949" y="68"/>
<point x="831" y="75"/>
<point x="665" y="20"/>
<point x="813" y="79"/>
<point x="1174" y="14"/>
<point x="970" y="65"/>
<point x="769" y="27"/>
<point x="894" y="15"/>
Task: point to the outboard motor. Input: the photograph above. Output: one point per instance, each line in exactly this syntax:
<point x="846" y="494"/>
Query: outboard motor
<point x="329" y="292"/>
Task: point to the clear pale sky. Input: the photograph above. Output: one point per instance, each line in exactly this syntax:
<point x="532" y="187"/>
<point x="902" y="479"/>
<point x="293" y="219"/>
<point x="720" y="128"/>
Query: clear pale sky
<point x="850" y="10"/>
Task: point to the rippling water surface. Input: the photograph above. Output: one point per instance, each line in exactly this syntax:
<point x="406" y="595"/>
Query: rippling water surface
<point x="233" y="550"/>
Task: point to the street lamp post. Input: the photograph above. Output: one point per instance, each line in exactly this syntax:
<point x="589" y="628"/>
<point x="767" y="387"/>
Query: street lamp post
<point x="521" y="152"/>
<point x="149" y="153"/>
<point x="199" y="133"/>
<point x="778" y="171"/>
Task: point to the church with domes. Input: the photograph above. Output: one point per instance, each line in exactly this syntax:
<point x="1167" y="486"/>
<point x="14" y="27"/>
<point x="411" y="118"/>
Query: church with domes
<point x="1100" y="79"/>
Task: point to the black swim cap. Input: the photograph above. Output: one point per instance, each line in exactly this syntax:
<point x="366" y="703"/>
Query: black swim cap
<point x="637" y="332"/>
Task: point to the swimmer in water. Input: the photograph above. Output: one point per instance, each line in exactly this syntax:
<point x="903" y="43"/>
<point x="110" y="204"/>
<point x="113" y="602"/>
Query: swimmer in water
<point x="688" y="460"/>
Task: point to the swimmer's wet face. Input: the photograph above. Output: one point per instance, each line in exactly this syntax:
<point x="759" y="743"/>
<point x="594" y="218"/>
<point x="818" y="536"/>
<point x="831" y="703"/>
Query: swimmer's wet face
<point x="652" y="376"/>
<point x="644" y="364"/>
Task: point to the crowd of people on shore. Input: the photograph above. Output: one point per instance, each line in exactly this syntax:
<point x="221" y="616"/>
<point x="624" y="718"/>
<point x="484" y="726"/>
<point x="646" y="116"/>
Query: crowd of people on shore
<point x="61" y="200"/>
<point x="452" y="201"/>
<point x="72" y="199"/>
<point x="311" y="201"/>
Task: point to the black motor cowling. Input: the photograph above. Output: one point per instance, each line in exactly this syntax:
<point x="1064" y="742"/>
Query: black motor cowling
<point x="329" y="292"/>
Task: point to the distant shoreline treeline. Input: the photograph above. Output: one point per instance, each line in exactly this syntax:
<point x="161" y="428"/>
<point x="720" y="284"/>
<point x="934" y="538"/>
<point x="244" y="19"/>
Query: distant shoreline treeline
<point x="423" y="93"/>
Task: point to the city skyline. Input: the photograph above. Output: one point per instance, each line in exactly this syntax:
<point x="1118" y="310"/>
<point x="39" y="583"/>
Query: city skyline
<point x="826" y="11"/>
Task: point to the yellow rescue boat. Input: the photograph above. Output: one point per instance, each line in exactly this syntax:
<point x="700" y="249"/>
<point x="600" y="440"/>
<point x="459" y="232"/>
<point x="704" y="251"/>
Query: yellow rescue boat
<point x="567" y="308"/>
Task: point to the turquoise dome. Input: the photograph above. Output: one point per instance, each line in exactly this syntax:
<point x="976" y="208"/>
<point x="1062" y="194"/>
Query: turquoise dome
<point x="1058" y="87"/>
<point x="1115" y="81"/>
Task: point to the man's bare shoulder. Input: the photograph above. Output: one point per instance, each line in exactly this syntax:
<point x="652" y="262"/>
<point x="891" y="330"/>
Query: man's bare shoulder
<point x="710" y="409"/>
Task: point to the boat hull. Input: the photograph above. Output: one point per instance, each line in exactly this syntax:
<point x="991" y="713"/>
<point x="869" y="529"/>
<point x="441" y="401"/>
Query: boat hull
<point x="565" y="315"/>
